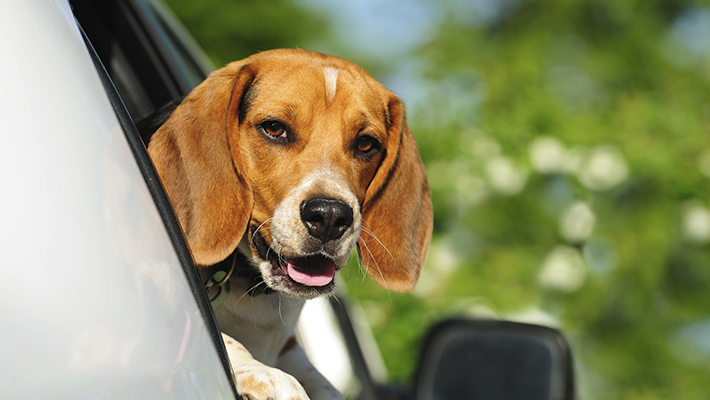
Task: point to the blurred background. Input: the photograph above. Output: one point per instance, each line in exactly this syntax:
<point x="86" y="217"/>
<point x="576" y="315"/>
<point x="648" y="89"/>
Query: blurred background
<point x="568" y="151"/>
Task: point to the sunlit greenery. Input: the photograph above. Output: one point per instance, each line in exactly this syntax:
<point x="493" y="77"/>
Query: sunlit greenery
<point x="568" y="150"/>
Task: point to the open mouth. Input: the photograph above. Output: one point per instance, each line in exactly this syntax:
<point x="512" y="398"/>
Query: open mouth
<point x="312" y="273"/>
<point x="314" y="270"/>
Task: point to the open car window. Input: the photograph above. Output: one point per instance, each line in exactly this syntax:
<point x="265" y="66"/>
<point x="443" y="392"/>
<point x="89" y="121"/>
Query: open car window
<point x="146" y="60"/>
<point x="149" y="57"/>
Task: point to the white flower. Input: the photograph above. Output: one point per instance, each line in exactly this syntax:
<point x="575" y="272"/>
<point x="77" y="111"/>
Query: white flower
<point x="563" y="270"/>
<point x="547" y="155"/>
<point x="505" y="176"/>
<point x="696" y="223"/>
<point x="577" y="222"/>
<point x="604" y="168"/>
<point x="442" y="260"/>
<point x="485" y="147"/>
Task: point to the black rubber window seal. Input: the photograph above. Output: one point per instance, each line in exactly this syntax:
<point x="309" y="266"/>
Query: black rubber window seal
<point x="167" y="214"/>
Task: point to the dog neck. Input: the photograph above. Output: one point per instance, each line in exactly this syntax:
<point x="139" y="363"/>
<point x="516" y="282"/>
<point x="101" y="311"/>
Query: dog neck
<point x="238" y="264"/>
<point x="262" y="323"/>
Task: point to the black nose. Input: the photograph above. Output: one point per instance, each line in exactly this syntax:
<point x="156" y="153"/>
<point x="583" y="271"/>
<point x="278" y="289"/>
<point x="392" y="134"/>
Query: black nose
<point x="326" y="219"/>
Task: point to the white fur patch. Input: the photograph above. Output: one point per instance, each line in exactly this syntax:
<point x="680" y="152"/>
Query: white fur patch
<point x="331" y="82"/>
<point x="287" y="230"/>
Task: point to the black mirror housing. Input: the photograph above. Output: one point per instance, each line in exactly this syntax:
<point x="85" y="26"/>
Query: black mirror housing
<point x="496" y="360"/>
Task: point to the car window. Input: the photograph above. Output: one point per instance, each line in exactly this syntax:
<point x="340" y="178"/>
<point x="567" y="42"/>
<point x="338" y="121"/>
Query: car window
<point x="184" y="51"/>
<point x="142" y="67"/>
<point x="149" y="57"/>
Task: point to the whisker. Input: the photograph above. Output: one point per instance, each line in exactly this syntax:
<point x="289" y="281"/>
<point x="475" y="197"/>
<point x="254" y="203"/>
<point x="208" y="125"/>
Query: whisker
<point x="360" y="269"/>
<point x="299" y="303"/>
<point x="281" y="317"/>
<point x="337" y="299"/>
<point x="369" y="232"/>
<point x="246" y="292"/>
<point x="259" y="227"/>
<point x="379" y="271"/>
<point x="253" y="288"/>
<point x="279" y="258"/>
<point x="361" y="261"/>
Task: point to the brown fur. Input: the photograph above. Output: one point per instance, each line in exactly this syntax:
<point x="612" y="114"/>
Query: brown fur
<point x="222" y="175"/>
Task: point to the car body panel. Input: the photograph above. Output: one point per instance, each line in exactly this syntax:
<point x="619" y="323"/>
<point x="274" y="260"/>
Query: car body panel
<point x="93" y="299"/>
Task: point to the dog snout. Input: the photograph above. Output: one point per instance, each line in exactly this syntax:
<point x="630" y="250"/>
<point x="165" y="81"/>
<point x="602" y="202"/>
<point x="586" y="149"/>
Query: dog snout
<point x="326" y="219"/>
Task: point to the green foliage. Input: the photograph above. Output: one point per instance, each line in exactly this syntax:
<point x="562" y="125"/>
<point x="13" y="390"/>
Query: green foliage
<point x="614" y="87"/>
<point x="230" y="30"/>
<point x="588" y="73"/>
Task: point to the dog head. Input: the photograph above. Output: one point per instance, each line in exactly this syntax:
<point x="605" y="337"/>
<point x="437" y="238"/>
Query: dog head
<point x="307" y="157"/>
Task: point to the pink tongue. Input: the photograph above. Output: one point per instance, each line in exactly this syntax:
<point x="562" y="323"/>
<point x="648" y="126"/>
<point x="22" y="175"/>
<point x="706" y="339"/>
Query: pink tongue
<point x="319" y="273"/>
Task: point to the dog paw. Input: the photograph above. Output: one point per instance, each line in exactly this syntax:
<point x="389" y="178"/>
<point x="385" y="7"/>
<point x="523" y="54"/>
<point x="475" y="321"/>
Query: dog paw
<point x="259" y="382"/>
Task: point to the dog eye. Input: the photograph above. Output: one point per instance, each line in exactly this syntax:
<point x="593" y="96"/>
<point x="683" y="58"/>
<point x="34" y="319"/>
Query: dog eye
<point x="274" y="129"/>
<point x="366" y="144"/>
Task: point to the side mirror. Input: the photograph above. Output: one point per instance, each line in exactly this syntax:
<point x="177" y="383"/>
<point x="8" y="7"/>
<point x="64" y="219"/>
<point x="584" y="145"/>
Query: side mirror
<point x="496" y="360"/>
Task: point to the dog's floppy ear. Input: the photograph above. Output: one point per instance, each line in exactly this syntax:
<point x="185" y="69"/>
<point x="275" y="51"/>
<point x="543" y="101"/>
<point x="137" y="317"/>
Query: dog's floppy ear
<point x="197" y="155"/>
<point x="397" y="212"/>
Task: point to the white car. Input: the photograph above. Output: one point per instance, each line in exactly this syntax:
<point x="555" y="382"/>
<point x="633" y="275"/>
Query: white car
<point x="99" y="297"/>
<point x="96" y="294"/>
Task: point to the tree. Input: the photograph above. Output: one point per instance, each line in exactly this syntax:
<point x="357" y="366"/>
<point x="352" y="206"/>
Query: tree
<point x="567" y="148"/>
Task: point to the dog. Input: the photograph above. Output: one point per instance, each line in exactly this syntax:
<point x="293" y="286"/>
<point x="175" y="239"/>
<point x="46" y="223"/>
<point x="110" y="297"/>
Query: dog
<point x="291" y="159"/>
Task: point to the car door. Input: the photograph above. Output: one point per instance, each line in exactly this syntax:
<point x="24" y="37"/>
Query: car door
<point x="98" y="293"/>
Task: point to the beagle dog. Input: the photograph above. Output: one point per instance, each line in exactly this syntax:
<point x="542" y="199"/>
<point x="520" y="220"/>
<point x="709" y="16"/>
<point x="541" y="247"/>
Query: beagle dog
<point x="293" y="159"/>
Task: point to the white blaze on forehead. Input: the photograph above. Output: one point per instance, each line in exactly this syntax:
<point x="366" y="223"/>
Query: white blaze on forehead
<point x="331" y="82"/>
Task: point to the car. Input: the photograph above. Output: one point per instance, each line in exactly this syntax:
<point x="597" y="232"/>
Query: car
<point x="99" y="294"/>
